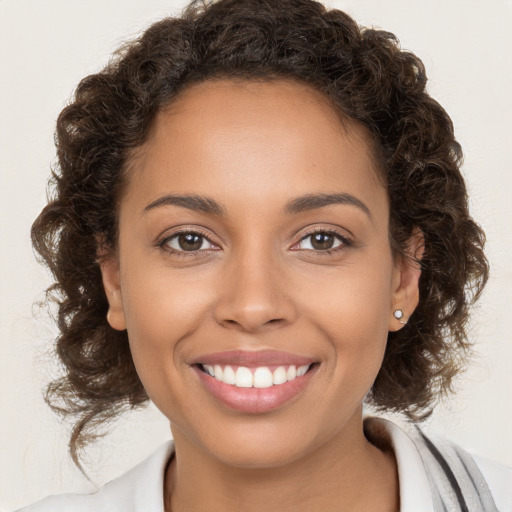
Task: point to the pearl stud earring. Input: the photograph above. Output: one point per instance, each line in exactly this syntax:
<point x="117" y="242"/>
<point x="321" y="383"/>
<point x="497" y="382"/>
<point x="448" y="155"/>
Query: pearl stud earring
<point x="399" y="314"/>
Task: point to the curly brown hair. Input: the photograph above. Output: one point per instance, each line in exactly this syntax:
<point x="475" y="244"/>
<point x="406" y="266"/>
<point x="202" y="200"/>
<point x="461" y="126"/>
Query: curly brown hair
<point x="367" y="77"/>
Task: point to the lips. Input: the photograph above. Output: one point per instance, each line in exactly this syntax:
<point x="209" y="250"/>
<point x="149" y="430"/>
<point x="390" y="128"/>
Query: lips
<point x="254" y="382"/>
<point x="253" y="359"/>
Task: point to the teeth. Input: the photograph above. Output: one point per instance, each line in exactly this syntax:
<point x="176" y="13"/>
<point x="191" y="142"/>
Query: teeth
<point x="263" y="378"/>
<point x="229" y="376"/>
<point x="291" y="373"/>
<point x="301" y="370"/>
<point x="260" y="377"/>
<point x="280" y="375"/>
<point x="243" y="377"/>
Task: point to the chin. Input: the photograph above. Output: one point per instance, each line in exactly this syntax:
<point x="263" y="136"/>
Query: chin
<point x="251" y="443"/>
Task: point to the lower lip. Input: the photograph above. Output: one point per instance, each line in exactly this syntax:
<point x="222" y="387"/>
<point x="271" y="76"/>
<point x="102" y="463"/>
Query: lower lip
<point x="255" y="400"/>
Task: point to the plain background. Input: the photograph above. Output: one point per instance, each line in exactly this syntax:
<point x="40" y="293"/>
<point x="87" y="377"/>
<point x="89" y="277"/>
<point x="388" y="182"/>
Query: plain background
<point x="47" y="46"/>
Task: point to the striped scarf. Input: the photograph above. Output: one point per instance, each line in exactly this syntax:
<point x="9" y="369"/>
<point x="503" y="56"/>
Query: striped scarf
<point x="456" y="482"/>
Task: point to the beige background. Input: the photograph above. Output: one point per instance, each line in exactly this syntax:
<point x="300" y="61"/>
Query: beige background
<point x="46" y="46"/>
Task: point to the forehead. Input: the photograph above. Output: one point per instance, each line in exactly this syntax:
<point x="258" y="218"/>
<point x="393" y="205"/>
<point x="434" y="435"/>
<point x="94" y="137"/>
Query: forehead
<point x="255" y="139"/>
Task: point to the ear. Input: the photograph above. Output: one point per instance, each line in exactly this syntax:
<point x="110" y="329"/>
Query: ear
<point x="405" y="296"/>
<point x="109" y="266"/>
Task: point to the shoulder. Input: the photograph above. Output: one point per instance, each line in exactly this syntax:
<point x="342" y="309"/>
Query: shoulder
<point x="479" y="478"/>
<point x="441" y="471"/>
<point x="499" y="480"/>
<point x="138" y="490"/>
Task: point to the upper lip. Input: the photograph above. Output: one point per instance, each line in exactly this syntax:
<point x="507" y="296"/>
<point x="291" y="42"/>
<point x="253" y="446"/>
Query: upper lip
<point x="253" y="358"/>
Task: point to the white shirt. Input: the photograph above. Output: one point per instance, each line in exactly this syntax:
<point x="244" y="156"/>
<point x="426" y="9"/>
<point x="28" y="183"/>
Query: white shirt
<point x="142" y="488"/>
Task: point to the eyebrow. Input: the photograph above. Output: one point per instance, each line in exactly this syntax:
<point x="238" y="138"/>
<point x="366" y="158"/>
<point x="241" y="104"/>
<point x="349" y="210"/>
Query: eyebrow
<point x="297" y="205"/>
<point x="191" y="202"/>
<point x="314" y="201"/>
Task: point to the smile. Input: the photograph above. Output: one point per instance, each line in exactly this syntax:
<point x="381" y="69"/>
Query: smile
<point x="259" y="377"/>
<point x="254" y="382"/>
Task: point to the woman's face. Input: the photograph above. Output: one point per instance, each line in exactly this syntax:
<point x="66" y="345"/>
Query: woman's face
<point x="254" y="236"/>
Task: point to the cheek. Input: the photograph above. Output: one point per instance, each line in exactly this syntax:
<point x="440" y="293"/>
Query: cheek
<point x="159" y="324"/>
<point x="355" y="300"/>
<point x="161" y="302"/>
<point x="352" y="310"/>
<point x="161" y="310"/>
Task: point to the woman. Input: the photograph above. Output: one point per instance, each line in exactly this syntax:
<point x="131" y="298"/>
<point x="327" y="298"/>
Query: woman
<point x="259" y="223"/>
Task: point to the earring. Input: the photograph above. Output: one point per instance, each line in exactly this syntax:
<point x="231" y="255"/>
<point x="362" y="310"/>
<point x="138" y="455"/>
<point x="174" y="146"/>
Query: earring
<point x="399" y="314"/>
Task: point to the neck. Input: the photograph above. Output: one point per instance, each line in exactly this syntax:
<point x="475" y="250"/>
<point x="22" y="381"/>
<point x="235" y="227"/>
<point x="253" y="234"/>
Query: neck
<point x="347" y="474"/>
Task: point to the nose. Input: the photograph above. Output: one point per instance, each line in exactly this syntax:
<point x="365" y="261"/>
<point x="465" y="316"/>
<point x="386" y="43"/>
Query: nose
<point x="254" y="295"/>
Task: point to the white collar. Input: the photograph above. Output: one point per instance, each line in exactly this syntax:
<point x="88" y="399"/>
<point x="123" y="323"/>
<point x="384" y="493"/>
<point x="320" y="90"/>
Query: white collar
<point x="415" y="492"/>
<point x="141" y="488"/>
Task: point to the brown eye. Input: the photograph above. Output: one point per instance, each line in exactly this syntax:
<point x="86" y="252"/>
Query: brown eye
<point x="321" y="241"/>
<point x="188" y="242"/>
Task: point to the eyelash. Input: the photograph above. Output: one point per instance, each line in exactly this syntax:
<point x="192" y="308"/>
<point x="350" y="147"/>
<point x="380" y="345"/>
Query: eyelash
<point x="344" y="239"/>
<point x="182" y="253"/>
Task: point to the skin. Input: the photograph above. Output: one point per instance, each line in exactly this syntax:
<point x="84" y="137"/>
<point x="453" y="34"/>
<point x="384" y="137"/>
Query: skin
<point x="257" y="283"/>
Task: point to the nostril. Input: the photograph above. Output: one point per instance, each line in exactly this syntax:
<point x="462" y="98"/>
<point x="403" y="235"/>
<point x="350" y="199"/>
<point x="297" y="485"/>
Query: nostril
<point x="247" y="324"/>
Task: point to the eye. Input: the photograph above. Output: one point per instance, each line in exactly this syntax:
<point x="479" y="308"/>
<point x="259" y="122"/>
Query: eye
<point x="321" y="241"/>
<point x="188" y="241"/>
